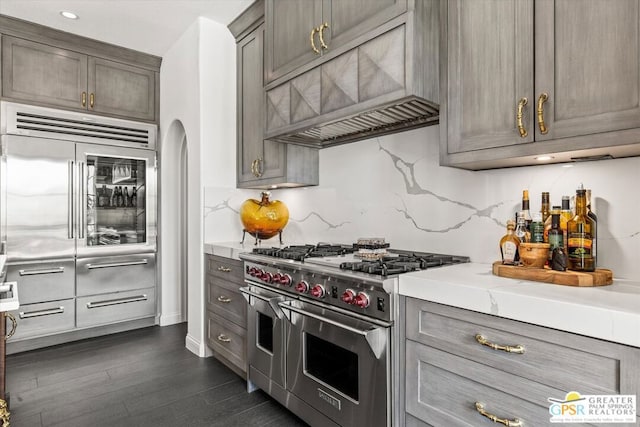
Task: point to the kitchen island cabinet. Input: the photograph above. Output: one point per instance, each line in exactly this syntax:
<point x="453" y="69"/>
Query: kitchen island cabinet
<point x="525" y="78"/>
<point x="48" y="67"/>
<point x="262" y="163"/>
<point x="554" y="339"/>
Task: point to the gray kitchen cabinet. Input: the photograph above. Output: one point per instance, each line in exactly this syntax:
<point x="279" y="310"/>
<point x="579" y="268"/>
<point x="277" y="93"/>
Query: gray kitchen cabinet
<point x="262" y="163"/>
<point x="525" y="78"/>
<point x="383" y="81"/>
<point x="300" y="31"/>
<point x="450" y="366"/>
<point x="226" y="312"/>
<point x="46" y="67"/>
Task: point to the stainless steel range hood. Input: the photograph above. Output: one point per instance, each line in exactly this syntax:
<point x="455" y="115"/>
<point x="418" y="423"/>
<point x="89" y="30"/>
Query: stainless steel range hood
<point x="385" y="84"/>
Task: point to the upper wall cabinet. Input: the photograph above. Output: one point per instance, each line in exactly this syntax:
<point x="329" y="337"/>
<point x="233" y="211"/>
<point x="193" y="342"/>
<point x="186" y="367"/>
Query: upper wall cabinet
<point x="299" y="31"/>
<point x="261" y="163"/>
<point x="525" y="79"/>
<point x="46" y="67"/>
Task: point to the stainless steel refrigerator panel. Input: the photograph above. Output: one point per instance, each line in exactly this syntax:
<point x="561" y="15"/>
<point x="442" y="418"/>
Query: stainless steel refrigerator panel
<point x="44" y="281"/>
<point x="116" y="307"/>
<point x="39" y="176"/>
<point x="106" y="225"/>
<point x="36" y="320"/>
<point x="101" y="275"/>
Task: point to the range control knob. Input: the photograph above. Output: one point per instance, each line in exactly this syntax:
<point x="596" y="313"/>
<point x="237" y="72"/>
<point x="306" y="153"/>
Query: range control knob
<point x="348" y="296"/>
<point x="252" y="271"/>
<point x="285" y="280"/>
<point x="277" y="277"/>
<point x="361" y="300"/>
<point x="302" y="287"/>
<point x="318" y="291"/>
<point x="266" y="277"/>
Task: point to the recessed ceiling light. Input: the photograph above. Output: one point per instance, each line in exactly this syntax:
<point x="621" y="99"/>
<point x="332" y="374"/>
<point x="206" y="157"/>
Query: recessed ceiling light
<point x="68" y="15"/>
<point x="544" y="158"/>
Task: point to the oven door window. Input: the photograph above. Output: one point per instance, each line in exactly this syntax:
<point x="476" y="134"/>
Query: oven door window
<point x="332" y="365"/>
<point x="265" y="332"/>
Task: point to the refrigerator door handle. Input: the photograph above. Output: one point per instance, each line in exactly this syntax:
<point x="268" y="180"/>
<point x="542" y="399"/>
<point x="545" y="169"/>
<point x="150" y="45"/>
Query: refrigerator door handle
<point x="83" y="201"/>
<point x="70" y="230"/>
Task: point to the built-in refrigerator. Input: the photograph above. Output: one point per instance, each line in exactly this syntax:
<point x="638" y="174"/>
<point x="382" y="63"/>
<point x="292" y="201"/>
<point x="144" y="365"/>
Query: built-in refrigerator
<point x="79" y="208"/>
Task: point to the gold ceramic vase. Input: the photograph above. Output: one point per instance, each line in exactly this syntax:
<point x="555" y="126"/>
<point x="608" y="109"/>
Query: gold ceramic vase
<point x="263" y="218"/>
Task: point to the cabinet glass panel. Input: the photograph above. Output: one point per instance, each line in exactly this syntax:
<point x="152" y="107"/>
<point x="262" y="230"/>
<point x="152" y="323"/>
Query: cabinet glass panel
<point x="115" y="201"/>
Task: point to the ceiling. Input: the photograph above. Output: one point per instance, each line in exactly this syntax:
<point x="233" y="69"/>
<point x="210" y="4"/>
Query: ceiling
<point x="150" y="26"/>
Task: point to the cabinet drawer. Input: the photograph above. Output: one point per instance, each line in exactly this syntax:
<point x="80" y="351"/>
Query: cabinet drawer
<point x="225" y="268"/>
<point x="115" y="307"/>
<point x="445" y="388"/>
<point x="556" y="358"/>
<point x="227" y="339"/>
<point x="43" y="281"/>
<point x="43" y="319"/>
<point x="224" y="299"/>
<point x="102" y="275"/>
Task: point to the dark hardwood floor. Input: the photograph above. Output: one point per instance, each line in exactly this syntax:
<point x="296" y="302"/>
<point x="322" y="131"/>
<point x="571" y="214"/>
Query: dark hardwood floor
<point x="139" y="378"/>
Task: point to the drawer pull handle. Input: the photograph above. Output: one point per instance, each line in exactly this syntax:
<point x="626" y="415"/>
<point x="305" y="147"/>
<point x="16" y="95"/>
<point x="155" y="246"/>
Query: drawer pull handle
<point x="14" y="325"/>
<point x="116" y="264"/>
<point x="224" y="269"/>
<point x="41" y="271"/>
<point x="519" y="349"/>
<point x="223" y="299"/>
<point x="320" y="31"/>
<point x="312" y="41"/>
<point x="27" y="315"/>
<point x="116" y="301"/>
<point x="509" y="423"/>
<point x="224" y="338"/>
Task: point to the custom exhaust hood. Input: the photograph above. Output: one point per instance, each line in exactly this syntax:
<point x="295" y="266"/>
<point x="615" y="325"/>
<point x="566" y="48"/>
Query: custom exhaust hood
<point x="388" y="83"/>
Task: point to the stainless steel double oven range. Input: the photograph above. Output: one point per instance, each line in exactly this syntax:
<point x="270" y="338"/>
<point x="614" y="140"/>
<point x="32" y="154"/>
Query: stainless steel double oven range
<point x="321" y="335"/>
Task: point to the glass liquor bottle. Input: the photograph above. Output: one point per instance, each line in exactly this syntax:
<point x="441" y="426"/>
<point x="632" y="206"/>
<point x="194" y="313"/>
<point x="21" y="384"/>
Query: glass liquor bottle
<point x="555" y="233"/>
<point x="526" y="209"/>
<point x="580" y="236"/>
<point x="565" y="215"/>
<point x="521" y="229"/>
<point x="509" y="245"/>
<point x="593" y="216"/>
<point x="547" y="223"/>
<point x="544" y="207"/>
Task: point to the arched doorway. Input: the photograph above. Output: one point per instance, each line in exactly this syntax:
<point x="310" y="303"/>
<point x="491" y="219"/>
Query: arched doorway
<point x="173" y="223"/>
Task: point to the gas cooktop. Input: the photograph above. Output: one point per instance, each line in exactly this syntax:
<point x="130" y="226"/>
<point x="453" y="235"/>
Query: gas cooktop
<point x="347" y="258"/>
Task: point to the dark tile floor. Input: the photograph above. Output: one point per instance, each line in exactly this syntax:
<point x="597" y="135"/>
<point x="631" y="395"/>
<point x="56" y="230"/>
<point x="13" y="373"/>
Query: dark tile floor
<point x="138" y="378"/>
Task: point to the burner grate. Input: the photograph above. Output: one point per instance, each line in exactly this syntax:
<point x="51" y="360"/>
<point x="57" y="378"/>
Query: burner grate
<point x="402" y="263"/>
<point x="301" y="252"/>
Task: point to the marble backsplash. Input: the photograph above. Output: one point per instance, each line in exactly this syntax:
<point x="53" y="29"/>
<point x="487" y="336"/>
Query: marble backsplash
<point x="393" y="187"/>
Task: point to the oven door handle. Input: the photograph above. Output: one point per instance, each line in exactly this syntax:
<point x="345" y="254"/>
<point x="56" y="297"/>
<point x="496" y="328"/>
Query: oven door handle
<point x="376" y="337"/>
<point x="272" y="301"/>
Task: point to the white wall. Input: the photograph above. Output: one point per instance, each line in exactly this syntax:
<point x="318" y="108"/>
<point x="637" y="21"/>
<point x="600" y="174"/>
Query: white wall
<point x="393" y="187"/>
<point x="197" y="87"/>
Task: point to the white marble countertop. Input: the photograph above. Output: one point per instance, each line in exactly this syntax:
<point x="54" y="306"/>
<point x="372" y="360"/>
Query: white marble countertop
<point x="608" y="312"/>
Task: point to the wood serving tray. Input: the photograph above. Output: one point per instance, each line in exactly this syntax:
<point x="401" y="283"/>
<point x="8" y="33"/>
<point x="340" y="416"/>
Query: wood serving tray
<point x="600" y="277"/>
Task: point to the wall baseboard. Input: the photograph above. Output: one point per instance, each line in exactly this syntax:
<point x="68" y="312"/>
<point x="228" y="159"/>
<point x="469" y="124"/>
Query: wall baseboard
<point x="196" y="347"/>
<point x="170" y="319"/>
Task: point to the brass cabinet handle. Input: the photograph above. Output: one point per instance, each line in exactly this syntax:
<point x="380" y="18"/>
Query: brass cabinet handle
<point x="92" y="99"/>
<point x="509" y="423"/>
<point x="320" y="35"/>
<point x="224" y="300"/>
<point x="313" y="43"/>
<point x="224" y="269"/>
<point x="256" y="167"/>
<point x="14" y="325"/>
<point x="84" y="99"/>
<point x="224" y="338"/>
<point x="521" y="129"/>
<point x="541" y="100"/>
<point x="519" y="349"/>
